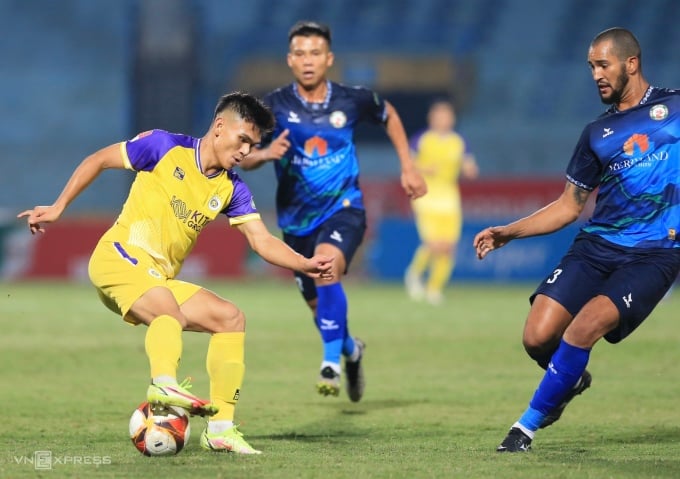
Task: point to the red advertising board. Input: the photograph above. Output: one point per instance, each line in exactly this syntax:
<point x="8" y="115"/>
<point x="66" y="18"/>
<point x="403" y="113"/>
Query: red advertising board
<point x="508" y="198"/>
<point x="63" y="251"/>
<point x="487" y="198"/>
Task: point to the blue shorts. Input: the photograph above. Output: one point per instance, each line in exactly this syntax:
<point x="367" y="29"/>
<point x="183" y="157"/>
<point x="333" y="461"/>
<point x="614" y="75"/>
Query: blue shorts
<point x="634" y="279"/>
<point x="344" y="230"/>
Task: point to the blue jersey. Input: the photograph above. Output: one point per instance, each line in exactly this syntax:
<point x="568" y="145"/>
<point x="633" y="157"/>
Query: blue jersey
<point x="633" y="156"/>
<point x="319" y="175"/>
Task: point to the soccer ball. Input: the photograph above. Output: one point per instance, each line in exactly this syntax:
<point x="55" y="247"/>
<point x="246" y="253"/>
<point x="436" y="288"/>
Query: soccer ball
<point x="159" y="431"/>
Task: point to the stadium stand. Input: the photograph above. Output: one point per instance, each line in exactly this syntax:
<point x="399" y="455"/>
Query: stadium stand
<point x="518" y="72"/>
<point x="66" y="92"/>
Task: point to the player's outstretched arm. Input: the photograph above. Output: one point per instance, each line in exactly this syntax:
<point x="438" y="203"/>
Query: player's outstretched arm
<point x="83" y="175"/>
<point x="556" y="215"/>
<point x="469" y="168"/>
<point x="278" y="253"/>
<point x="411" y="179"/>
<point x="272" y="152"/>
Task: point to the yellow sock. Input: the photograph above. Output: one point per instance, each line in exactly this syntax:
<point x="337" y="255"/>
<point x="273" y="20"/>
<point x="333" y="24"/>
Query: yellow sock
<point x="420" y="260"/>
<point x="226" y="369"/>
<point x="442" y="266"/>
<point x="163" y="344"/>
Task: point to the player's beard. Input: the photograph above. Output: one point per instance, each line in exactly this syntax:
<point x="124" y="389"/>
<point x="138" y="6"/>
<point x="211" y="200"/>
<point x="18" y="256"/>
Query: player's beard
<point x="617" y="89"/>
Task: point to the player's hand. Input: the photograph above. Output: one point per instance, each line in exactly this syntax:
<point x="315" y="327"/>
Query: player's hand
<point x="490" y="239"/>
<point x="38" y="215"/>
<point x="413" y="183"/>
<point x="319" y="266"/>
<point x="279" y="146"/>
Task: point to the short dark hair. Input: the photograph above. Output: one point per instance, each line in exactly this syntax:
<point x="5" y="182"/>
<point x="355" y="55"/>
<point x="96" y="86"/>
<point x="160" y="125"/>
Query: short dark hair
<point x="624" y="42"/>
<point x="248" y="107"/>
<point x="308" y="28"/>
<point x="441" y="101"/>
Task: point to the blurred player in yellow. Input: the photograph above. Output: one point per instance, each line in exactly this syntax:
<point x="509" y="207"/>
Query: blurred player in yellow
<point x="441" y="156"/>
<point x="182" y="184"/>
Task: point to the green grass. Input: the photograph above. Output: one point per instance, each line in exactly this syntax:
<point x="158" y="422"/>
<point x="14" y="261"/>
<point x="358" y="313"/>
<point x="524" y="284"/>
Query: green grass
<point x="444" y="385"/>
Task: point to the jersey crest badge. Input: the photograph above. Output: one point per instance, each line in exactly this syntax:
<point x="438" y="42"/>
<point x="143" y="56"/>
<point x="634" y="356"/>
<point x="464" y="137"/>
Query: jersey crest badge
<point x="214" y="203"/>
<point x="658" y="112"/>
<point x="338" y="119"/>
<point x="178" y="173"/>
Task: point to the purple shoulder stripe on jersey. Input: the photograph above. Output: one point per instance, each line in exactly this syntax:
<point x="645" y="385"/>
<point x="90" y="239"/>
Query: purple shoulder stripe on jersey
<point x="146" y="149"/>
<point x="241" y="203"/>
<point x="466" y="147"/>
<point x="415" y="139"/>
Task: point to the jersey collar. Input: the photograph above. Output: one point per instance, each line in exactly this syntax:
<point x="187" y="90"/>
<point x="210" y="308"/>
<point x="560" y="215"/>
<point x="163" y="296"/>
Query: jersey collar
<point x="646" y="96"/>
<point x="197" y="157"/>
<point x="643" y="100"/>
<point x="313" y="105"/>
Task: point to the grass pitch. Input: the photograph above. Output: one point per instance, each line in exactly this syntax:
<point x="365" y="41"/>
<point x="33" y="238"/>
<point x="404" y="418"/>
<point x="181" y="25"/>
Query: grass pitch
<point x="444" y="385"/>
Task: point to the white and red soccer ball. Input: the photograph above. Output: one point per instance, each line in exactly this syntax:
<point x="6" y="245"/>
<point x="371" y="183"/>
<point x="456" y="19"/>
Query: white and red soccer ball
<point x="159" y="431"/>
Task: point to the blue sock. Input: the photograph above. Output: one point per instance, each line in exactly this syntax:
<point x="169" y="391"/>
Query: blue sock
<point x="348" y="344"/>
<point x="565" y="369"/>
<point x="331" y="314"/>
<point x="532" y="419"/>
<point x="332" y="351"/>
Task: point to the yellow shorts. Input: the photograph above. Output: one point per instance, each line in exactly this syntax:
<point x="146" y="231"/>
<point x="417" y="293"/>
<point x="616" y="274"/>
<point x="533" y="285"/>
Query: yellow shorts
<point x="122" y="273"/>
<point x="438" y="216"/>
<point x="436" y="227"/>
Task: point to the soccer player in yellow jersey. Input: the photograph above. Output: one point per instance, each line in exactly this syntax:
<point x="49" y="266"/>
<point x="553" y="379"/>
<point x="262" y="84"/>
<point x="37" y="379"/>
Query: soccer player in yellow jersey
<point x="441" y="157"/>
<point x="182" y="183"/>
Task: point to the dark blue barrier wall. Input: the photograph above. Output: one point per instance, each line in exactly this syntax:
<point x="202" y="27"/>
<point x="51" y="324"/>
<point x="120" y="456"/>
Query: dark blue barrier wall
<point x="531" y="259"/>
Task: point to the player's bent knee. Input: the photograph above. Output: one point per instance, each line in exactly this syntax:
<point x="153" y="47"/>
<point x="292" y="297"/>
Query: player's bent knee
<point x="230" y="322"/>
<point x="537" y="343"/>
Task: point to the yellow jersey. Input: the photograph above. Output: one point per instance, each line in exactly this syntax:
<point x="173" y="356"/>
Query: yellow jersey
<point x="439" y="157"/>
<point x="171" y="200"/>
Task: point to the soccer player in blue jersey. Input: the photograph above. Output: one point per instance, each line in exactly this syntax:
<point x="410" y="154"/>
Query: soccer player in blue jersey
<point x="182" y="184"/>
<point x="627" y="255"/>
<point x="319" y="204"/>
